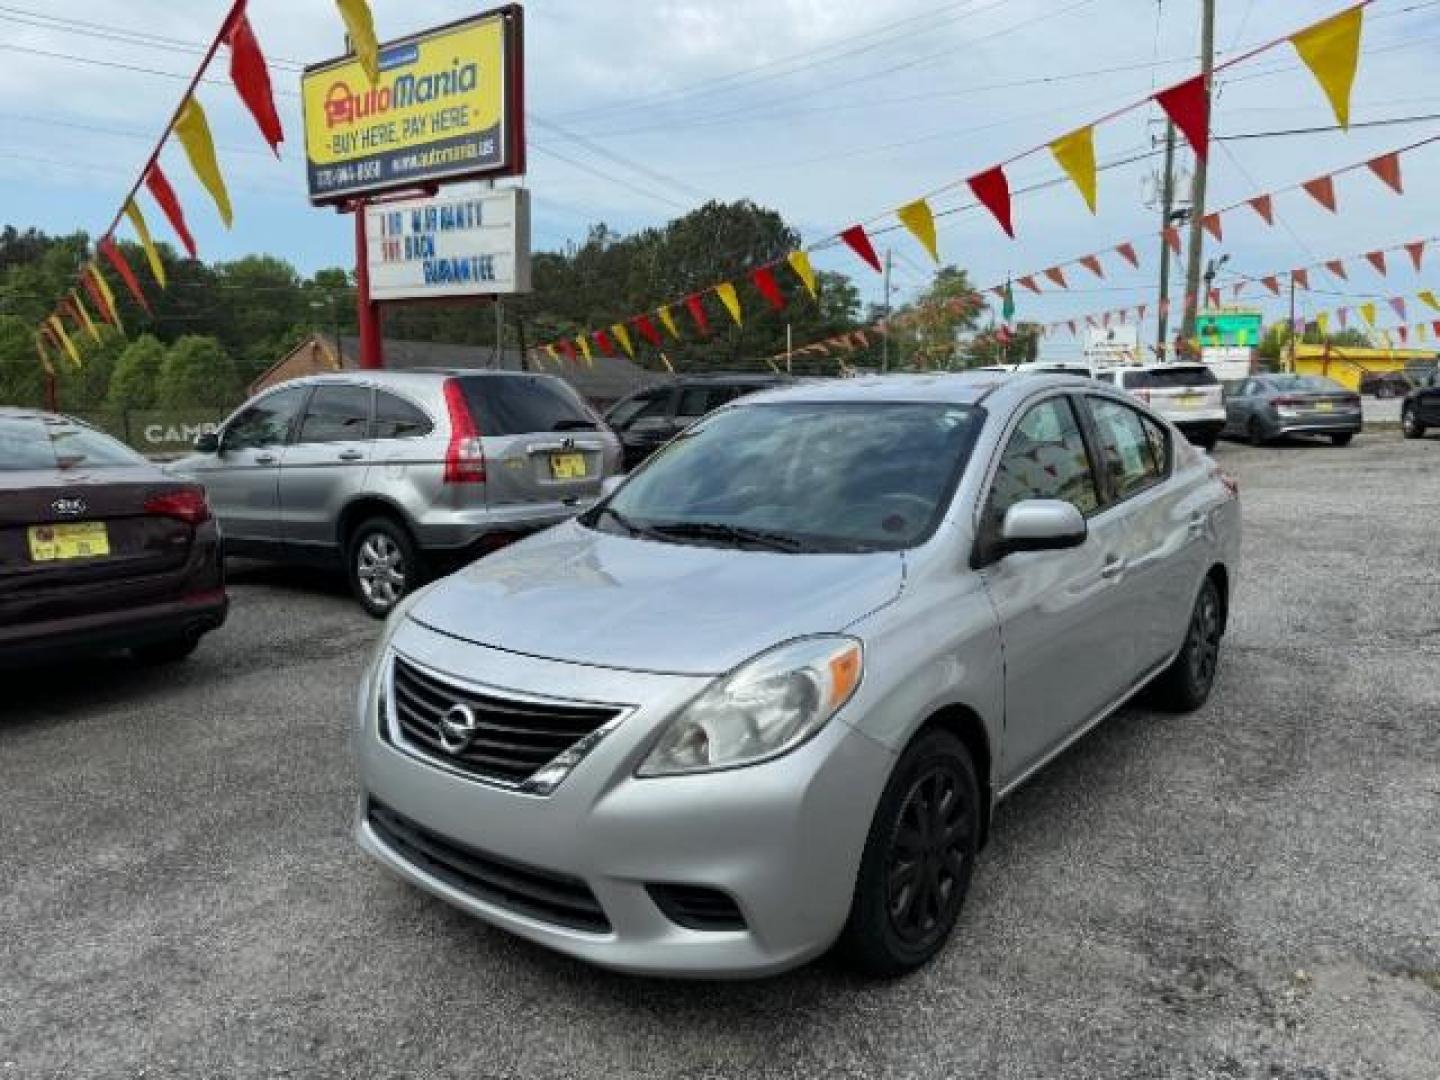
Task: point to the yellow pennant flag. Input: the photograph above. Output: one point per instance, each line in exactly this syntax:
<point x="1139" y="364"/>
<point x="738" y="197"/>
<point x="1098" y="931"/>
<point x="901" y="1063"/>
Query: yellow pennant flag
<point x="1368" y="312"/>
<point x="1331" y="50"/>
<point x="731" y="299"/>
<point x="194" y="132"/>
<point x="44" y="355"/>
<point x="1385" y="339"/>
<point x="1420" y="331"/>
<point x="58" y="329"/>
<point x="622" y="335"/>
<point x="550" y="352"/>
<point x="360" y="25"/>
<point x="137" y="220"/>
<point x="105" y="294"/>
<point x="584" y="343"/>
<point x="800" y="262"/>
<point x="1322" y="320"/>
<point x="1428" y="298"/>
<point x="1076" y="154"/>
<point x="917" y="217"/>
<point x="668" y="321"/>
<point x="84" y="315"/>
<point x="666" y="361"/>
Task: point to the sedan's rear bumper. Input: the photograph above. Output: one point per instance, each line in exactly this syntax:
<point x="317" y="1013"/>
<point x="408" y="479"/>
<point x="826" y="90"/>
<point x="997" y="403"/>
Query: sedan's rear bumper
<point x="1338" y="424"/>
<point x="61" y="639"/>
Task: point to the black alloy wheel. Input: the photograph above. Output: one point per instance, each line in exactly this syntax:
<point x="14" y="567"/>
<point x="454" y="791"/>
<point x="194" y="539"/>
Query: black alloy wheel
<point x="1410" y="425"/>
<point x="1186" y="684"/>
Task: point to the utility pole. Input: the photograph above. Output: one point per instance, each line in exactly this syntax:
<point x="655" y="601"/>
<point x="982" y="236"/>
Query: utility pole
<point x="1197" y="193"/>
<point x="1167" y="206"/>
<point x="1291" y="367"/>
<point x="789" y="347"/>
<point x="885" y="337"/>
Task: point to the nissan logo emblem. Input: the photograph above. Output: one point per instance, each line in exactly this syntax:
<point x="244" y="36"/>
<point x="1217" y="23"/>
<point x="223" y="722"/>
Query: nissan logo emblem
<point x="68" y="507"/>
<point x="457" y="728"/>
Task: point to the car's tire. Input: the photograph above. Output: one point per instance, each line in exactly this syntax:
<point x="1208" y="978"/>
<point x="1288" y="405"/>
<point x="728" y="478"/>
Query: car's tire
<point x="1342" y="440"/>
<point x="926" y="831"/>
<point x="1186" y="684"/>
<point x="1255" y="432"/>
<point x="168" y="651"/>
<point x="1410" y="425"/>
<point x="383" y="564"/>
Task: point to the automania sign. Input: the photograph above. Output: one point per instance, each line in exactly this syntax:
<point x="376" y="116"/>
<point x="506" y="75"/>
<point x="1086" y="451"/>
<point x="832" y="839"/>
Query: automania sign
<point x="446" y="107"/>
<point x="473" y="244"/>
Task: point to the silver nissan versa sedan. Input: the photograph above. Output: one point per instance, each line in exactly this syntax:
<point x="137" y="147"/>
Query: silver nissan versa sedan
<point x="764" y="698"/>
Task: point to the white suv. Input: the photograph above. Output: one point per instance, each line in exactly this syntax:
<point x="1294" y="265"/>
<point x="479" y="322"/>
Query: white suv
<point x="1188" y="395"/>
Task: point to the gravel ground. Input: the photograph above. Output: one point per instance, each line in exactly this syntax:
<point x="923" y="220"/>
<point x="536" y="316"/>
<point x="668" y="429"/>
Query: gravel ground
<point x="1251" y="891"/>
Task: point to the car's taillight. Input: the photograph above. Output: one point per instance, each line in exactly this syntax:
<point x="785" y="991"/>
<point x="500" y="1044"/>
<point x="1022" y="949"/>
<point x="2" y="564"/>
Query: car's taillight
<point x="465" y="456"/>
<point x="187" y="504"/>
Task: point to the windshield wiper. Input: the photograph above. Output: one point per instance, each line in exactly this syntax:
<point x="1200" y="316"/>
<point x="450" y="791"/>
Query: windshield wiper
<point x="737" y="534"/>
<point x="619" y="519"/>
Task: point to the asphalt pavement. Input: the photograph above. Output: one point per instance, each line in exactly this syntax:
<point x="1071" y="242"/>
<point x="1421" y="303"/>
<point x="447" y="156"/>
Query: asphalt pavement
<point x="1252" y="891"/>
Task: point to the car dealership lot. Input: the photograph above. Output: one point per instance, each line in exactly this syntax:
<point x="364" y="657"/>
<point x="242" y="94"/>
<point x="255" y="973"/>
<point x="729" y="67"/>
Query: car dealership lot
<point x="1248" y="891"/>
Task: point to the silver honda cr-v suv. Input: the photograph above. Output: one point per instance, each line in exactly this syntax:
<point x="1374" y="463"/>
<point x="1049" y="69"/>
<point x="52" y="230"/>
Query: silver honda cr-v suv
<point x="397" y="474"/>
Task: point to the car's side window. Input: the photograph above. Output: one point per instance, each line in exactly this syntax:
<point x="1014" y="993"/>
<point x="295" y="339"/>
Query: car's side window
<point x="1044" y="459"/>
<point x="696" y="401"/>
<point x="336" y="413"/>
<point x="1127" y="453"/>
<point x="267" y="422"/>
<point x="396" y="418"/>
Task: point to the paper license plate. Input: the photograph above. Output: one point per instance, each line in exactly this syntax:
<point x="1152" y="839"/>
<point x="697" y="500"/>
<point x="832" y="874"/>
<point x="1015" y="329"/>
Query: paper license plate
<point x="567" y="466"/>
<point x="1324" y="406"/>
<point x="77" y="540"/>
<point x="1190" y="401"/>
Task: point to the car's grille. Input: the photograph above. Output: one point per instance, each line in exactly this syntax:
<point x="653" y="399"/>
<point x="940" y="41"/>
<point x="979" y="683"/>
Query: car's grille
<point x="697" y="907"/>
<point x="511" y="739"/>
<point x="540" y="894"/>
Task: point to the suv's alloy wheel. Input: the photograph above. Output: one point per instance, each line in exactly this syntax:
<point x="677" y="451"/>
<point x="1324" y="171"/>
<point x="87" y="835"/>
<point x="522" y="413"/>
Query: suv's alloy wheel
<point x="383" y="565"/>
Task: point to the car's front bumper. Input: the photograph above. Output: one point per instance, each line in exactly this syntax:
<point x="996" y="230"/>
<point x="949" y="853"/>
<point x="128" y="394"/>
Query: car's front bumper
<point x="782" y="839"/>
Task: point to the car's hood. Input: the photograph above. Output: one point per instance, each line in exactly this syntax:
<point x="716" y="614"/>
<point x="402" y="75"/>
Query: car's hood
<point x="586" y="597"/>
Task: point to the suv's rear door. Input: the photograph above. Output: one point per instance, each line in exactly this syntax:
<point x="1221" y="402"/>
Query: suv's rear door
<point x="326" y="464"/>
<point x="542" y="442"/>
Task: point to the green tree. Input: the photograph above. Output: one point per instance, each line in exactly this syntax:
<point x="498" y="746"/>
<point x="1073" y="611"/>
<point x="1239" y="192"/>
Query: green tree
<point x="137" y="371"/>
<point x="936" y="319"/>
<point x="22" y="379"/>
<point x="197" y="371"/>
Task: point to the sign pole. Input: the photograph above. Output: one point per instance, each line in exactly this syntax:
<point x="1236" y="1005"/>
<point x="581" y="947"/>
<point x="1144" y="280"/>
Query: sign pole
<point x="367" y="310"/>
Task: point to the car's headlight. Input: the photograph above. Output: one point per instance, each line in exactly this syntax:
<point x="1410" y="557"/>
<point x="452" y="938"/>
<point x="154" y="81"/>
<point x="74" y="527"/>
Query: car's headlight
<point x="764" y="708"/>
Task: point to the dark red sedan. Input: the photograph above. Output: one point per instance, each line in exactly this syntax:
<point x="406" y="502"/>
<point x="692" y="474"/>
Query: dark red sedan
<point x="99" y="549"/>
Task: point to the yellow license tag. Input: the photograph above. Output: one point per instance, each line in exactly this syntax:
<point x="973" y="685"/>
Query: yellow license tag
<point x="1324" y="406"/>
<point x="75" y="540"/>
<point x="567" y="466"/>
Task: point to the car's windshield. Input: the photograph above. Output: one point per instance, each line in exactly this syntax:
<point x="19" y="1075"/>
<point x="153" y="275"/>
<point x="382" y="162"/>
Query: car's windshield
<point x="52" y="442"/>
<point x="801" y="476"/>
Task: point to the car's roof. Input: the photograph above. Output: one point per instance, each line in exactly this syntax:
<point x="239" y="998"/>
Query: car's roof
<point x="1179" y="365"/>
<point x="961" y="388"/>
<point x="414" y="378"/>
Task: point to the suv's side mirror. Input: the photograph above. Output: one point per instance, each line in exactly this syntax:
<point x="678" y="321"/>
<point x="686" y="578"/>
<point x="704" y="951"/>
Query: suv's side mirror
<point x="1042" y="525"/>
<point x="207" y="443"/>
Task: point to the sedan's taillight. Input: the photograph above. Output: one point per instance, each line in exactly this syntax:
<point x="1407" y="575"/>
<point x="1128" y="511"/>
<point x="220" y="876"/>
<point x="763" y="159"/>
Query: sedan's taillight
<point x="465" y="456"/>
<point x="187" y="504"/>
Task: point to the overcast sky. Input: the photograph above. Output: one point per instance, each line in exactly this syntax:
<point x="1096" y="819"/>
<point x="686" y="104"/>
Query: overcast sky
<point x="830" y="111"/>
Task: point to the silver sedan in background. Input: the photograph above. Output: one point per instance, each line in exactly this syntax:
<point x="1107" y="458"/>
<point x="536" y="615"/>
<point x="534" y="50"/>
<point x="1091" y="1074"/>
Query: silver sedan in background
<point x="765" y="697"/>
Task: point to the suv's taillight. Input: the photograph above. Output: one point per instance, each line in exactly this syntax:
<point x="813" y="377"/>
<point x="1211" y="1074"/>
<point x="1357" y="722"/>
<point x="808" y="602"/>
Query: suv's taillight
<point x="465" y="456"/>
<point x="187" y="503"/>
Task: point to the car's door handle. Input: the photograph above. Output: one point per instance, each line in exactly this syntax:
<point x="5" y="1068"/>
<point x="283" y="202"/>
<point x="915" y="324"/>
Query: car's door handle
<point x="1114" y="567"/>
<point x="350" y="455"/>
<point x="265" y="459"/>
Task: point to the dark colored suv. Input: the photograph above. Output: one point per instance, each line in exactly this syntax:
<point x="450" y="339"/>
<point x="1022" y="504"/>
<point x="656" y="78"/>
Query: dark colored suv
<point x="1421" y="409"/>
<point x="647" y="420"/>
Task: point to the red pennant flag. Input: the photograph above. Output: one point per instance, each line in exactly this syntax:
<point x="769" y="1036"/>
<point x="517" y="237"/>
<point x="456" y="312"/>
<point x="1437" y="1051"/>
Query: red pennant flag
<point x="1435" y="326"/>
<point x="1055" y="275"/>
<point x="1237" y="289"/>
<point x="647" y="329"/>
<point x="764" y="279"/>
<point x="96" y="297"/>
<point x="1028" y="281"/>
<point x="1387" y="168"/>
<point x="117" y="260"/>
<point x="1127" y="252"/>
<point x="602" y="339"/>
<point x="1140" y="310"/>
<point x="1272" y="283"/>
<point x="1265" y="207"/>
<point x="1377" y="260"/>
<point x="252" y="80"/>
<point x="1092" y="263"/>
<point x="1322" y="190"/>
<point x="1344" y="314"/>
<point x="567" y="347"/>
<point x="1336" y="267"/>
<point x="159" y="186"/>
<point x="1301" y="278"/>
<point x="1090" y="321"/>
<point x="1188" y="104"/>
<point x="1214" y="298"/>
<point x="1211" y="224"/>
<point x="864" y="341"/>
<point x="1403" y="333"/>
<point x="1397" y="305"/>
<point x="1172" y="237"/>
<point x="859" y="243"/>
<point x="1074" y="330"/>
<point x="697" y="312"/>
<point x="1416" y="252"/>
<point x="992" y="188"/>
<point x="1105" y="318"/>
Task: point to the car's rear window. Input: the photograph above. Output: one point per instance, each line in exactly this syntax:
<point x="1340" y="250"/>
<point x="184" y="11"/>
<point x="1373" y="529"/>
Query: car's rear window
<point x="44" y="442"/>
<point x="1167" y="378"/>
<point x="524" y="404"/>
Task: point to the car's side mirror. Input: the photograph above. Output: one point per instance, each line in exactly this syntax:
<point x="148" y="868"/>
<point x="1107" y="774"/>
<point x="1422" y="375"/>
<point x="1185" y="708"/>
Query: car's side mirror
<point x="1042" y="525"/>
<point x="208" y="443"/>
<point x="610" y="485"/>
